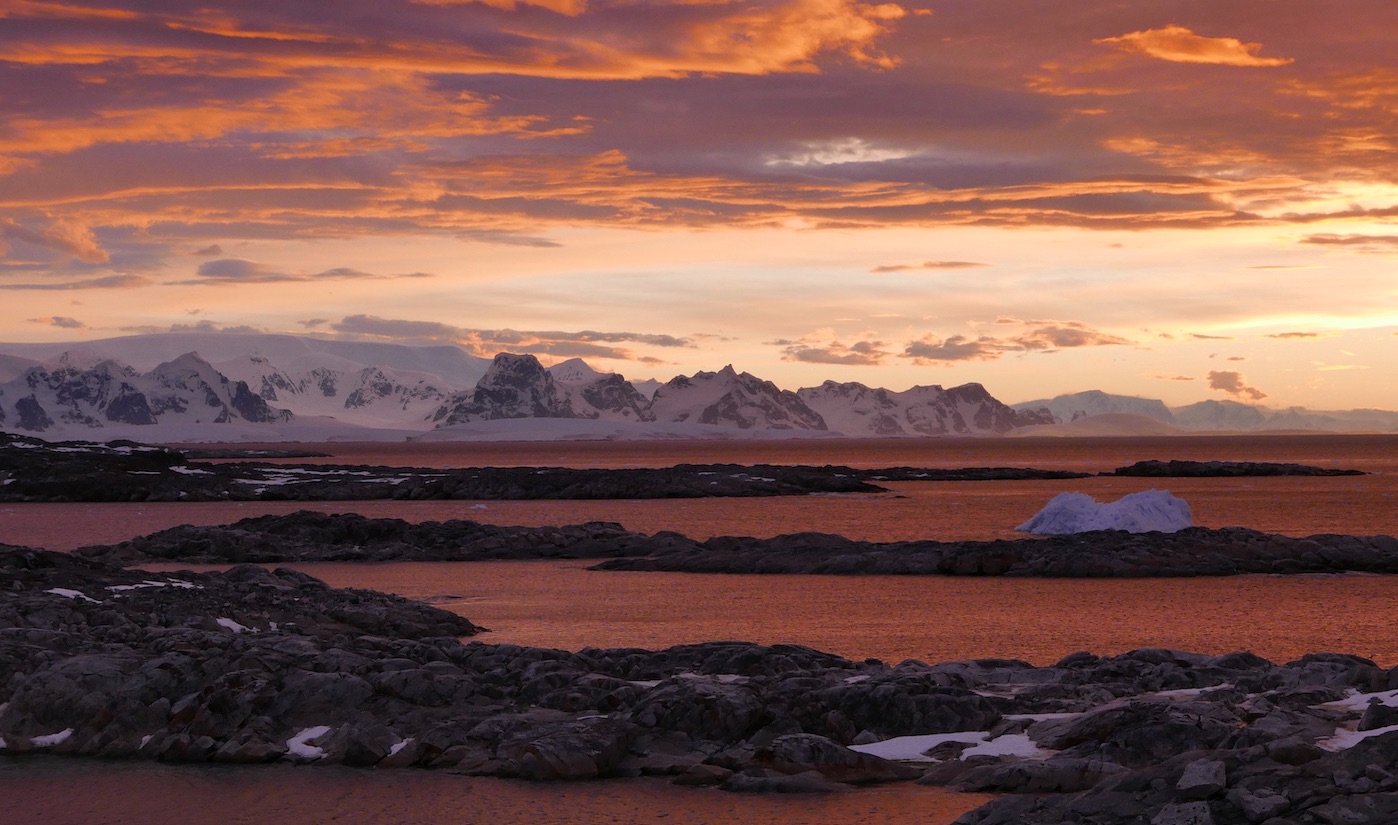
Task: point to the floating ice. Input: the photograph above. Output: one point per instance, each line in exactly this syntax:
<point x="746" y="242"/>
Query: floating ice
<point x="1144" y="512"/>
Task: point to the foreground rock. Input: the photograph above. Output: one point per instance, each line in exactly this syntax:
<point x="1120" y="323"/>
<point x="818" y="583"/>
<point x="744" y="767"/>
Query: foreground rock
<point x="251" y="666"/>
<point x="1197" y="551"/>
<point x="258" y="666"/>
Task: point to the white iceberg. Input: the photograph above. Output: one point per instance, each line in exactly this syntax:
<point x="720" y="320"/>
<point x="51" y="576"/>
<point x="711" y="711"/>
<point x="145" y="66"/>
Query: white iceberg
<point x="1144" y="512"/>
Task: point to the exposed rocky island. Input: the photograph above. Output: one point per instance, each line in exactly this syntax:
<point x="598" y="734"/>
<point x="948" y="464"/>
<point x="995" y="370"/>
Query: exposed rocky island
<point x="1225" y="469"/>
<point x="307" y="536"/>
<point x="124" y="471"/>
<point x="251" y="665"/>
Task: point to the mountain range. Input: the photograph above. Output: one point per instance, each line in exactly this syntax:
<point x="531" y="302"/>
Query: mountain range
<point x="1213" y="415"/>
<point x="283" y="387"/>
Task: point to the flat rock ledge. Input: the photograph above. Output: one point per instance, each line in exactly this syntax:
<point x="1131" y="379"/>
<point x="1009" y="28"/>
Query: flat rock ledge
<point x="307" y="536"/>
<point x="254" y="666"/>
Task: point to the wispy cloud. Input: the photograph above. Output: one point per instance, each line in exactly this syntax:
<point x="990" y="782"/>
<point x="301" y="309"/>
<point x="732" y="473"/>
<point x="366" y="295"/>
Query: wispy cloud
<point x="929" y="265"/>
<point x="1295" y="336"/>
<point x="1180" y="45"/>
<point x="104" y="282"/>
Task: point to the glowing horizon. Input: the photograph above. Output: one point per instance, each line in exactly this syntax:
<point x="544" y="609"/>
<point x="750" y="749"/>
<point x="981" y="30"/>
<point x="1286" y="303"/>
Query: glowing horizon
<point x="1041" y="197"/>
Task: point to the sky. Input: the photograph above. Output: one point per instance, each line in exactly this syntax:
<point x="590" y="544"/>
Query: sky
<point x="1178" y="200"/>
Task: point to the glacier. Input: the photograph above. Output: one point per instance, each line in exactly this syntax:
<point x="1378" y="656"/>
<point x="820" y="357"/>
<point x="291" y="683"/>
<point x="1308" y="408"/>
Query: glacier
<point x="1143" y="512"/>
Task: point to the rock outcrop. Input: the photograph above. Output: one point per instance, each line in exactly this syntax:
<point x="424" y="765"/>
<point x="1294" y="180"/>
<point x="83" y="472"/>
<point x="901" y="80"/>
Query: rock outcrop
<point x="251" y="665"/>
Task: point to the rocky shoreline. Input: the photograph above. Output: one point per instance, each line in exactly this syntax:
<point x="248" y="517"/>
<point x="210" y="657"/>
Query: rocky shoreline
<point x="251" y="665"/>
<point x="32" y="470"/>
<point x="307" y="536"/>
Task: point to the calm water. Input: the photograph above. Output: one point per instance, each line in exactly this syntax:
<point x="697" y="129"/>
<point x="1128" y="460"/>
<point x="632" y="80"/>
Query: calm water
<point x="560" y="604"/>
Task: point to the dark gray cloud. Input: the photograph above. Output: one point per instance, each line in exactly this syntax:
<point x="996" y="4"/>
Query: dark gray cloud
<point x="1038" y="336"/>
<point x="66" y="237"/>
<point x="61" y="321"/>
<point x="580" y="344"/>
<point x="1363" y="242"/>
<point x="243" y="271"/>
<point x="860" y="353"/>
<point x="1234" y="384"/>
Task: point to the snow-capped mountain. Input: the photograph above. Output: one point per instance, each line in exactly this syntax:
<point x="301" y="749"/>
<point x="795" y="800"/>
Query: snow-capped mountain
<point x="366" y="396"/>
<point x="733" y="399"/>
<point x="1070" y="407"/>
<point x="1219" y="415"/>
<point x="605" y="396"/>
<point x="856" y="410"/>
<point x="1215" y="415"/>
<point x="295" y="354"/>
<point x="515" y="386"/>
<point x="72" y="392"/>
<point x="279" y="387"/>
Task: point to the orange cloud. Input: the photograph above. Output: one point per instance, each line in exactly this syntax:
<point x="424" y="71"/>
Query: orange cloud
<point x="1178" y="44"/>
<point x="65" y="236"/>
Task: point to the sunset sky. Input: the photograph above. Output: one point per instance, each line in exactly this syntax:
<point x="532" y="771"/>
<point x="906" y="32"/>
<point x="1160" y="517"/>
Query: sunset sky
<point x="1181" y="200"/>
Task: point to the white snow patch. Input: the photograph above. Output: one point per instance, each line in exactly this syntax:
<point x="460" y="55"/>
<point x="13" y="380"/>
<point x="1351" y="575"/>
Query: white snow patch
<point x="1345" y="738"/>
<point x="1147" y="511"/>
<point x="184" y="585"/>
<point x="912" y="748"/>
<point x="51" y="739"/>
<point x="302" y="743"/>
<point x="1357" y="702"/>
<point x="393" y="751"/>
<point x="71" y="594"/>
<point x="225" y="622"/>
<point x="190" y="471"/>
<point x="145" y="740"/>
<point x="1010" y="744"/>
